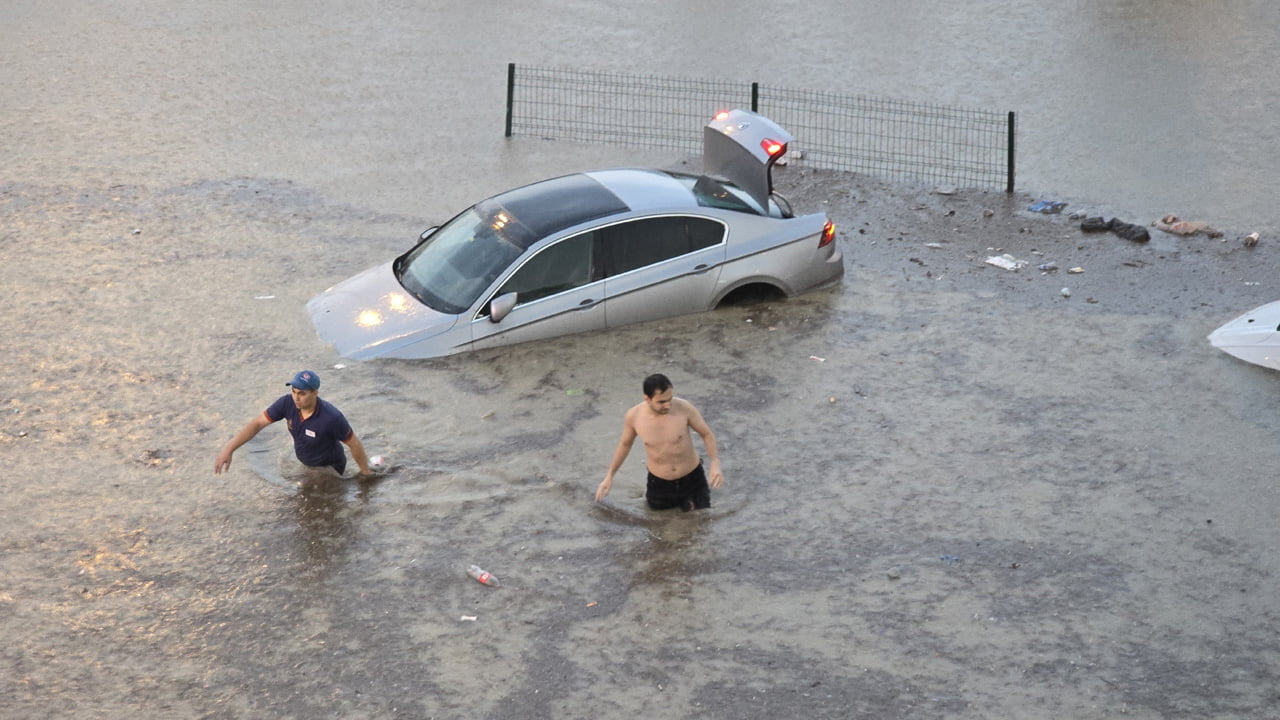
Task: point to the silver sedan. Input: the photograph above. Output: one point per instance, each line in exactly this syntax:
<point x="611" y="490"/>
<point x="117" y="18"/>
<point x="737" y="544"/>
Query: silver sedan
<point x="589" y="251"/>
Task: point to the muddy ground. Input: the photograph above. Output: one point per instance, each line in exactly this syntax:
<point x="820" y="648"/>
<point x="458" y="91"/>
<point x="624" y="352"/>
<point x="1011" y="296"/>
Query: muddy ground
<point x="953" y="491"/>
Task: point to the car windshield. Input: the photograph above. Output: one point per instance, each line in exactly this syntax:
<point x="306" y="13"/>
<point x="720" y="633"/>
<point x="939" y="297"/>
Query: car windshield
<point x="456" y="263"/>
<point x="451" y="268"/>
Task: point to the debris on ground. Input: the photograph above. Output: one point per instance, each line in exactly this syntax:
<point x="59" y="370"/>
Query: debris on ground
<point x="1048" y="207"/>
<point x="1094" y="224"/>
<point x="1178" y="226"/>
<point x="1007" y="262"/>
<point x="1250" y="240"/>
<point x="1128" y="231"/>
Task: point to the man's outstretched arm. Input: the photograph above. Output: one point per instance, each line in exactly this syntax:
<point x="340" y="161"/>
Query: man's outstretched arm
<point x="245" y="435"/>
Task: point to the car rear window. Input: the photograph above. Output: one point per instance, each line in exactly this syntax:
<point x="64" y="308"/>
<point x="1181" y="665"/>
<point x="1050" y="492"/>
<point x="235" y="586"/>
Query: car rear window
<point x="713" y="193"/>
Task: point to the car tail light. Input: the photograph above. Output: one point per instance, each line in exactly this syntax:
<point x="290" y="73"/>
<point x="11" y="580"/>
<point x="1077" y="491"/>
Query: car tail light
<point x="722" y="115"/>
<point x="828" y="234"/>
<point x="772" y="148"/>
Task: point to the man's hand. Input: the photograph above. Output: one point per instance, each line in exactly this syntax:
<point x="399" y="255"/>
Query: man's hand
<point x="717" y="476"/>
<point x="222" y="463"/>
<point x="603" y="488"/>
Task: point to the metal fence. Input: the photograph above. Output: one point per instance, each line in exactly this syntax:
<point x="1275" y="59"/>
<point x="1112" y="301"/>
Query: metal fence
<point x="890" y="139"/>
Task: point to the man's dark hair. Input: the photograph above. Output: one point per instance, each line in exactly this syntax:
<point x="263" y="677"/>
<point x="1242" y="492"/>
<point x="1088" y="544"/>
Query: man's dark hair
<point x="655" y="384"/>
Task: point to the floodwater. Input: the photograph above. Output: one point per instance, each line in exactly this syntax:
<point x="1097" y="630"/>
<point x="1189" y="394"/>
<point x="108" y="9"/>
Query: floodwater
<point x="928" y="513"/>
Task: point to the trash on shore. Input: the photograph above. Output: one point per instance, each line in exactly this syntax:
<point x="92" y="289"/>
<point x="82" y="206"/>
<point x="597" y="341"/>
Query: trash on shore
<point x="1094" y="224"/>
<point x="1178" y="226"/>
<point x="1076" y="270"/>
<point x="1250" y="240"/>
<point x="1007" y="262"/>
<point x="1128" y="231"/>
<point x="1048" y="207"/>
<point x="1066" y="292"/>
<point x="1047" y="267"/>
<point x="482" y="576"/>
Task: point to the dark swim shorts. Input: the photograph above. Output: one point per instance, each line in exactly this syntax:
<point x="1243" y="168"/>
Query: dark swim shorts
<point x="688" y="493"/>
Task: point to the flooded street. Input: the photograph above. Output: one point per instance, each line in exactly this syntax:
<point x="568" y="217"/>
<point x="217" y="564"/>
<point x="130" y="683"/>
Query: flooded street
<point x="952" y="492"/>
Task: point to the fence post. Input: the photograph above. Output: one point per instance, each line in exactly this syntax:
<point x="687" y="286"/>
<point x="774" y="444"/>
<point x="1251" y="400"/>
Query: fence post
<point x="1012" y="125"/>
<point x="511" y="93"/>
<point x="755" y="97"/>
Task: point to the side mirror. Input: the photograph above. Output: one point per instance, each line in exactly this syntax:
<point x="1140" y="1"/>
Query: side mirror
<point x="500" y="306"/>
<point x="427" y="233"/>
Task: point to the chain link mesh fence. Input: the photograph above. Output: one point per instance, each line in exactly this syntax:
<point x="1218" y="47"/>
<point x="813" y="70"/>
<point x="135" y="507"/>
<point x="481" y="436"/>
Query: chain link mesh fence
<point x="888" y="139"/>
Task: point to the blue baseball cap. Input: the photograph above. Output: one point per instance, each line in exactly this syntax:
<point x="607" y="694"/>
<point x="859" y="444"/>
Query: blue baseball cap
<point x="305" y="380"/>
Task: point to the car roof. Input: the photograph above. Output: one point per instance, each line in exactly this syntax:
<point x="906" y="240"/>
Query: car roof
<point x="546" y="207"/>
<point x="645" y="190"/>
<point x="552" y="205"/>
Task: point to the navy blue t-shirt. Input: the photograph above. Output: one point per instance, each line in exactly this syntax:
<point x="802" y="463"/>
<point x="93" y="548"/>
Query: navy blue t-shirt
<point x="317" y="441"/>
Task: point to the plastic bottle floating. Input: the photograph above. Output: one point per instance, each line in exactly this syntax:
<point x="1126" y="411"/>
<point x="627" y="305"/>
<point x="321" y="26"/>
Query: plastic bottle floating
<point x="482" y="576"/>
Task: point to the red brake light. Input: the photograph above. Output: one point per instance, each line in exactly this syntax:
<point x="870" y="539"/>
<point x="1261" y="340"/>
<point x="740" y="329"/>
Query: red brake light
<point x="722" y="115"/>
<point x="828" y="234"/>
<point x="772" y="147"/>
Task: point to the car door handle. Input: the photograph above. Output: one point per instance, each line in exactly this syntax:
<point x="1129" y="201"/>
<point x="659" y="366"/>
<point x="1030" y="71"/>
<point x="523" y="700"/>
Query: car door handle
<point x="587" y="302"/>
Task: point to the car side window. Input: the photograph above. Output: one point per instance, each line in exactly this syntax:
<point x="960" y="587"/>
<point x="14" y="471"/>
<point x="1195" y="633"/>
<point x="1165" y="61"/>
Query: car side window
<point x="639" y="243"/>
<point x="564" y="266"/>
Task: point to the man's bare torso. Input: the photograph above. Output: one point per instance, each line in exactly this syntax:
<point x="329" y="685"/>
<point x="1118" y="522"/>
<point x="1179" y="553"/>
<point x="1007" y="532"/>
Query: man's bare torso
<point x="667" y="442"/>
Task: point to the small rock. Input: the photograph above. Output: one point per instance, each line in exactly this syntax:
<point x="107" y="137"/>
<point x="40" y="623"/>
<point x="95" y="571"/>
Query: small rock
<point x="1066" y="292"/>
<point x="1251" y="239"/>
<point x="894" y="573"/>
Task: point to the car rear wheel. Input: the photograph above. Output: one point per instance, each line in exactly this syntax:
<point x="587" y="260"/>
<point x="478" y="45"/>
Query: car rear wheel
<point x="752" y="294"/>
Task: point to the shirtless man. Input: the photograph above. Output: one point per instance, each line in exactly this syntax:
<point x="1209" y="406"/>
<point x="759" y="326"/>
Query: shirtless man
<point x="662" y="422"/>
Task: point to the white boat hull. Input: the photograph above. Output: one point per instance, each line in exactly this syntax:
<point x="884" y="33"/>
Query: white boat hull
<point x="1253" y="337"/>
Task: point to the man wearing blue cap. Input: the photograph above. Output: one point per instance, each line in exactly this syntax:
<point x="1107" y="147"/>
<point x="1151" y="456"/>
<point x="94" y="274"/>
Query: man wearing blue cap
<point x="319" y="429"/>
